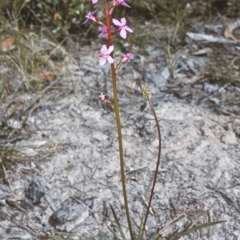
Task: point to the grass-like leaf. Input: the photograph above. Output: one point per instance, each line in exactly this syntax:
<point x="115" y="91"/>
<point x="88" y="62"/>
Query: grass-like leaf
<point x="118" y="223"/>
<point x="196" y="228"/>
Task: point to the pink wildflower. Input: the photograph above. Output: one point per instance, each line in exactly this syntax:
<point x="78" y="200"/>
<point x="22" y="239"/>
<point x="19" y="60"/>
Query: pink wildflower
<point x="117" y="2"/>
<point x="126" y="57"/>
<point x="106" y="99"/>
<point x="105" y="55"/>
<point x="102" y="96"/>
<point x="90" y="16"/>
<point x="104" y="32"/>
<point x="122" y="27"/>
<point x="94" y="1"/>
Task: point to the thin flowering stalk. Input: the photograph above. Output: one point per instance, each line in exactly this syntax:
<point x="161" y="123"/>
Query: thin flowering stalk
<point x="106" y="55"/>
<point x="108" y="23"/>
<point x="147" y="94"/>
<point x="118" y="122"/>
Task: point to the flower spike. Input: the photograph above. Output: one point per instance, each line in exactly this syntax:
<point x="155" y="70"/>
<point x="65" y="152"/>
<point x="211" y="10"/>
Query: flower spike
<point x="145" y="92"/>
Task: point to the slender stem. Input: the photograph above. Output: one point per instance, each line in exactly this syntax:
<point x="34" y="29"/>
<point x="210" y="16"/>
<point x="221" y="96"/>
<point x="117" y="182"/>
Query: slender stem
<point x="116" y="108"/>
<point x="108" y="21"/>
<point x="157" y="165"/>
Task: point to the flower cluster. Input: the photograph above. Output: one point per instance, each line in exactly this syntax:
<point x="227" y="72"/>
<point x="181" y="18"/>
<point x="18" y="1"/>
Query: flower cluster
<point x="120" y="26"/>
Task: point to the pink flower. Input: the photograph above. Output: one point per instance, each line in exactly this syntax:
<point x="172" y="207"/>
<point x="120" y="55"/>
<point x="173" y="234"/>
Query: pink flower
<point x="106" y="99"/>
<point x="126" y="57"/>
<point x="122" y="27"/>
<point x="105" y="55"/>
<point x="102" y="96"/>
<point x="104" y="32"/>
<point x="117" y="2"/>
<point x="94" y="1"/>
<point x="90" y="16"/>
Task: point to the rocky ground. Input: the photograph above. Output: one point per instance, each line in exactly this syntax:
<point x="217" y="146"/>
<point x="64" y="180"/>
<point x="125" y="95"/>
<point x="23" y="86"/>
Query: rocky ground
<point x="64" y="170"/>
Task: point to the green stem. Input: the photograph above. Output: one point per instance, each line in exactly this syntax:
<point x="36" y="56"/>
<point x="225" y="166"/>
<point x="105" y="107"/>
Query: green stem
<point x="157" y="165"/>
<point x="117" y="114"/>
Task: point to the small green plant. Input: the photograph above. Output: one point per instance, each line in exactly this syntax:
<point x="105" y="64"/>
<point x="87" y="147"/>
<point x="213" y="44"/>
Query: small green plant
<point x="108" y="31"/>
<point x="54" y="18"/>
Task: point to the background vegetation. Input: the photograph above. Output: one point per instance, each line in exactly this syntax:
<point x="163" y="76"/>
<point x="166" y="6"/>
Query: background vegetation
<point x="32" y="32"/>
<point x="64" y="17"/>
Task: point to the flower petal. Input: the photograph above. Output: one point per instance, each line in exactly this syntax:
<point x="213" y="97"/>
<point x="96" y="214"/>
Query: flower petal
<point x="128" y="29"/>
<point x="116" y="22"/>
<point x="123" y="33"/>
<point x="125" y="4"/>
<point x="104" y="49"/>
<point x="110" y="59"/>
<point x="102" y="61"/>
<point x="110" y="49"/>
<point x="123" y="21"/>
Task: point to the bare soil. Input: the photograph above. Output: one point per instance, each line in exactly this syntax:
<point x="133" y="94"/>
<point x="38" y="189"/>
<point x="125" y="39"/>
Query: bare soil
<point x="64" y="170"/>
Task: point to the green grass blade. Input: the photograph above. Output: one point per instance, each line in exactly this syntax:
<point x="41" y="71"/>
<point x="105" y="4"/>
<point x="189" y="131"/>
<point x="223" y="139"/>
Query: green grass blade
<point x="196" y="228"/>
<point x="118" y="223"/>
